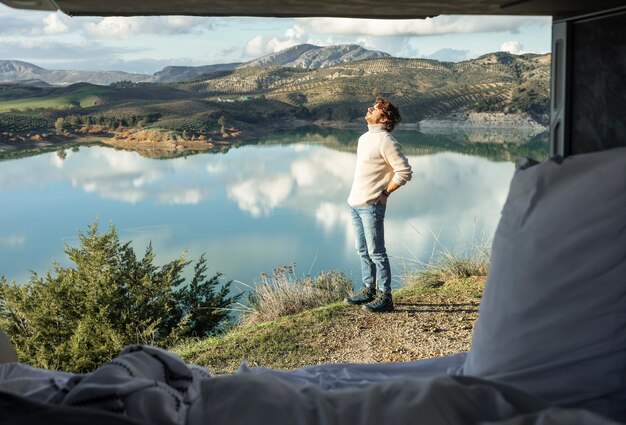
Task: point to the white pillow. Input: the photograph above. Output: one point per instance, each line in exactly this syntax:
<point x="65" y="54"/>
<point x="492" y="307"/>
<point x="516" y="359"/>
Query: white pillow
<point x="553" y="314"/>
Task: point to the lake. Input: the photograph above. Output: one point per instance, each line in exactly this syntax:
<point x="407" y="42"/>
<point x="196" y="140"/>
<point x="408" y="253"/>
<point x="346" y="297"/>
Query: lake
<point x="277" y="201"/>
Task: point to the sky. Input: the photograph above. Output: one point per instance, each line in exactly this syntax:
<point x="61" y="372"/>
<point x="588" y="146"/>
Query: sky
<point x="147" y="44"/>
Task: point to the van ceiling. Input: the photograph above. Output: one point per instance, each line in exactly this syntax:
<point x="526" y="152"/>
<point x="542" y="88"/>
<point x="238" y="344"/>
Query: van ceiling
<point x="395" y="9"/>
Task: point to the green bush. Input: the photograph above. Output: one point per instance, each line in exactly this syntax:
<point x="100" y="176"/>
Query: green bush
<point x="76" y="318"/>
<point x="532" y="97"/>
<point x="490" y="104"/>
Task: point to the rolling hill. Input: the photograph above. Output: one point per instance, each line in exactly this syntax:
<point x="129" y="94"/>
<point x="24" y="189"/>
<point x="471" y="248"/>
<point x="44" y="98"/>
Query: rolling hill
<point x="252" y="97"/>
<point x="496" y="82"/>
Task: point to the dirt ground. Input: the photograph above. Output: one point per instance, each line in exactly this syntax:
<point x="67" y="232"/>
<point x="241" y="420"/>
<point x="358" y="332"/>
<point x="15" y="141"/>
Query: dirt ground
<point x="424" y="325"/>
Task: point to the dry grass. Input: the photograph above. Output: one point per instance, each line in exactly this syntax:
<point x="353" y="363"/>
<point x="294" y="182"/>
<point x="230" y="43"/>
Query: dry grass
<point x="447" y="266"/>
<point x="282" y="293"/>
<point x="469" y="259"/>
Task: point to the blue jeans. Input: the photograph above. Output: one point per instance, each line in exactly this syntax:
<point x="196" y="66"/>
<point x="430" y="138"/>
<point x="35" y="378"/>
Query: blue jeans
<point x="369" y="234"/>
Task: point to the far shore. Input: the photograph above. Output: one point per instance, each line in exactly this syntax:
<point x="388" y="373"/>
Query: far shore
<point x="153" y="140"/>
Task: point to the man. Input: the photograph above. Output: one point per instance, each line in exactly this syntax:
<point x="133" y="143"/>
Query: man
<point x="381" y="168"/>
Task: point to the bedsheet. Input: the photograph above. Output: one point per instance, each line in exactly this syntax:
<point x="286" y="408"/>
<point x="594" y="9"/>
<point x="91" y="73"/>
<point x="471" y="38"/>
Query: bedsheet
<point x="146" y="385"/>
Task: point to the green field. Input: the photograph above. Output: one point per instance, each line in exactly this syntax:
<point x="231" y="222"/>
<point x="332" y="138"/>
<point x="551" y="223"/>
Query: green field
<point x="85" y="95"/>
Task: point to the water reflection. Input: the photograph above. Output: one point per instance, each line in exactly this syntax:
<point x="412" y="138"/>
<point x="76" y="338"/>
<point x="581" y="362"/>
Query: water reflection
<point x="501" y="144"/>
<point x="250" y="210"/>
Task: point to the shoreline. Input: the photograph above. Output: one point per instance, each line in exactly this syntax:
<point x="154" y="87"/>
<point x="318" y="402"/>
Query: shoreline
<point x="148" y="140"/>
<point x="483" y="120"/>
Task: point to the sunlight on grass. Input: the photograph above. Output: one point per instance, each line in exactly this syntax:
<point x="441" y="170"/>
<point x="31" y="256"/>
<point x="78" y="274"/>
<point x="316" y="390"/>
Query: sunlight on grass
<point x="282" y="293"/>
<point x="446" y="265"/>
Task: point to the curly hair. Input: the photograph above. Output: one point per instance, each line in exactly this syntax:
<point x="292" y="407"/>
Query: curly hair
<point x="389" y="111"/>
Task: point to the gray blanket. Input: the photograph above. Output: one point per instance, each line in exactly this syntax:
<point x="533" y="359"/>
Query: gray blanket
<point x="151" y="386"/>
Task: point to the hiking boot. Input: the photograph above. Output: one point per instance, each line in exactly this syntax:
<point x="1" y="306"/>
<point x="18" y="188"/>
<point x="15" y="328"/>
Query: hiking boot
<point x="382" y="302"/>
<point x="365" y="295"/>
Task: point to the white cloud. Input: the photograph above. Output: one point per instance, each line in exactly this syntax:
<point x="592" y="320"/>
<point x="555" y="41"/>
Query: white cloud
<point x="28" y="23"/>
<point x="112" y="27"/>
<point x="300" y="147"/>
<point x="58" y="160"/>
<point x="259" y="198"/>
<point x="216" y="167"/>
<point x="304" y="172"/>
<point x="148" y="176"/>
<point x="127" y="177"/>
<point x="54" y="25"/>
<point x="12" y="240"/>
<point x="450" y="55"/>
<point x="391" y="36"/>
<point x="256" y="46"/>
<point x="513" y="47"/>
<point x="36" y="49"/>
<point x="260" y="46"/>
<point x="124" y="27"/>
<point x="332" y="216"/>
<point x="181" y="196"/>
<point x="430" y="26"/>
<point x="183" y="24"/>
<point x="322" y="168"/>
<point x="12" y="26"/>
<point x="124" y="195"/>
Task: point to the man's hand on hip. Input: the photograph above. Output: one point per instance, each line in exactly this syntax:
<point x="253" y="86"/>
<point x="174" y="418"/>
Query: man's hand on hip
<point x="381" y="200"/>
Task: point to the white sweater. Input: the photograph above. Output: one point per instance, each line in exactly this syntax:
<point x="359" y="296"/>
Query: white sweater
<point x="379" y="160"/>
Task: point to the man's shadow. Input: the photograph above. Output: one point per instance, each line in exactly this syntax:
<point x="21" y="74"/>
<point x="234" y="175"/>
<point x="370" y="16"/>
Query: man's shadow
<point x="437" y="308"/>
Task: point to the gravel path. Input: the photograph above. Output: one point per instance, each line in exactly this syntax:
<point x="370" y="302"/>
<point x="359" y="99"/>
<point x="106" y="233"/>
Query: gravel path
<point x="422" y="326"/>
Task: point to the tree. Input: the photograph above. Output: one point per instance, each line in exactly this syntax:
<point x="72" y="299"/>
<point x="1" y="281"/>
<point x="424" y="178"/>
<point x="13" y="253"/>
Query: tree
<point x="75" y="318"/>
<point x="297" y="98"/>
<point x="222" y="123"/>
<point x="58" y="124"/>
<point x="73" y="120"/>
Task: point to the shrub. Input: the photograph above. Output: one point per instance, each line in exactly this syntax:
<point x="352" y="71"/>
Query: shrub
<point x="282" y="294"/>
<point x="76" y="318"/>
<point x="490" y="104"/>
<point x="532" y="97"/>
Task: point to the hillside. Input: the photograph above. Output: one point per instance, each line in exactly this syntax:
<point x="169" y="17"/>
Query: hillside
<point x="427" y="322"/>
<point x="244" y="103"/>
<point x="16" y="71"/>
<point x="498" y="82"/>
<point x="171" y="74"/>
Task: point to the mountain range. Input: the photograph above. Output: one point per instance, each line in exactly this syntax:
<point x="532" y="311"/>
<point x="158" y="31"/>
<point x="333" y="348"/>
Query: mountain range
<point x="306" y="56"/>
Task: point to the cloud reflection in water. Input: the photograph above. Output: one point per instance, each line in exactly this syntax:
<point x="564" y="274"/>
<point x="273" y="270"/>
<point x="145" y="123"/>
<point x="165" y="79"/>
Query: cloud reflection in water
<point x="270" y="204"/>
